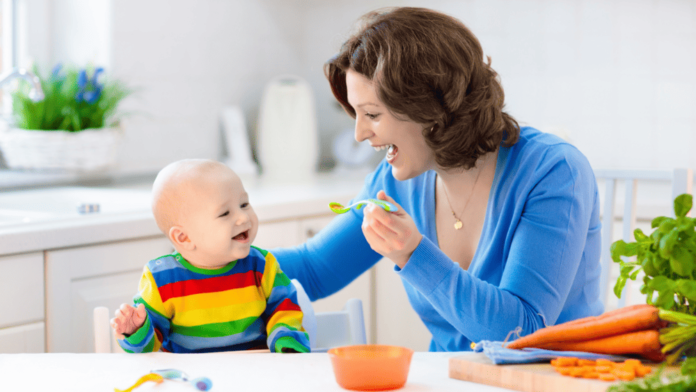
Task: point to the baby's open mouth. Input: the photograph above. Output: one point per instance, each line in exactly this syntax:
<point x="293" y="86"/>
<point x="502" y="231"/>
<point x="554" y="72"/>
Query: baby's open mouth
<point x="243" y="236"/>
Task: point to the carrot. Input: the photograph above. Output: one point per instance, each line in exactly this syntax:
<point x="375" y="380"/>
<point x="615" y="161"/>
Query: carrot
<point x="566" y="361"/>
<point x="607" y="377"/>
<point x="586" y="362"/>
<point x="637" y="319"/>
<point x="655" y="356"/>
<point x="607" y="314"/>
<point x="605" y="362"/>
<point x="639" y="342"/>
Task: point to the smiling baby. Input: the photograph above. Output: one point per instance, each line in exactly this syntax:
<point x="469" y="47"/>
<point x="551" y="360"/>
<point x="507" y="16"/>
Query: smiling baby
<point x="217" y="292"/>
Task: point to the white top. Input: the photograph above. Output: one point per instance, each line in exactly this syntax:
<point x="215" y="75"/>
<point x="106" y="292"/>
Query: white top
<point x="227" y="371"/>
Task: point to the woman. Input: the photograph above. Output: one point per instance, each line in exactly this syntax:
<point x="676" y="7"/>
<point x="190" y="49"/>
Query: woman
<point x="498" y="227"/>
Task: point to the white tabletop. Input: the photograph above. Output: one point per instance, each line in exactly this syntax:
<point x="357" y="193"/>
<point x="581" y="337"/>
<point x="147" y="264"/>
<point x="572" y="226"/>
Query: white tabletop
<point x="228" y="371"/>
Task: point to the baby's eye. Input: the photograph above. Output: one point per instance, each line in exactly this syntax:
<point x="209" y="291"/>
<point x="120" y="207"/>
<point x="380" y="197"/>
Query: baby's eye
<point x="245" y="205"/>
<point x="225" y="214"/>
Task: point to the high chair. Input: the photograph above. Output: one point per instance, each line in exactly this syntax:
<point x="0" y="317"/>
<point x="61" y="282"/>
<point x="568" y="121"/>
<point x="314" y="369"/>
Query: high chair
<point x="325" y="330"/>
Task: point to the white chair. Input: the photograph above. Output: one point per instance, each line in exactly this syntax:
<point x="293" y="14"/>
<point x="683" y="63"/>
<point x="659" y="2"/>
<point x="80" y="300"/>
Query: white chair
<point x="681" y="181"/>
<point x="332" y="329"/>
<point x="325" y="330"/>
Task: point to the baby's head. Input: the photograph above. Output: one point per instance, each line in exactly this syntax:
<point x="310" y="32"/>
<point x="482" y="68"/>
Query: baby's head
<point x="201" y="205"/>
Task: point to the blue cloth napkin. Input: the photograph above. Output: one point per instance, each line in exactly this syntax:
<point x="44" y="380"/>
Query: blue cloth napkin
<point x="501" y="355"/>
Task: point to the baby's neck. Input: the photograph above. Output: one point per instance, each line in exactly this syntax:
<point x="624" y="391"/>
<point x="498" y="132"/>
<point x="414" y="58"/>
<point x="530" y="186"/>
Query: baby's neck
<point x="202" y="264"/>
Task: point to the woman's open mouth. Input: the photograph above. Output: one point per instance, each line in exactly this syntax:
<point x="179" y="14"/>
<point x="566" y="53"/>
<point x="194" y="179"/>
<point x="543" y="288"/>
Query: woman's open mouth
<point x="242" y="237"/>
<point x="392" y="151"/>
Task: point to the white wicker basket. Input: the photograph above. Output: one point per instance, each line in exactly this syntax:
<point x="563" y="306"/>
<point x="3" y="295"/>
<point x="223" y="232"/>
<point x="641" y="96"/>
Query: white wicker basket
<point x="87" y="150"/>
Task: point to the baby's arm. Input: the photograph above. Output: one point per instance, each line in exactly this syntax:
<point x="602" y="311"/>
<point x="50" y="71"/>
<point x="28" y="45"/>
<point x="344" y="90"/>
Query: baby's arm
<point x="153" y="322"/>
<point x="283" y="314"/>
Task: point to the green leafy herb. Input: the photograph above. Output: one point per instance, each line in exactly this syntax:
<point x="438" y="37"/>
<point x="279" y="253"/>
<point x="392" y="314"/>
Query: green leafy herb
<point x="667" y="257"/>
<point x="74" y="100"/>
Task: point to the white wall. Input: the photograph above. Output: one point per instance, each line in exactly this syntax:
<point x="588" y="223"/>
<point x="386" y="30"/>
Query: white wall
<point x="616" y="75"/>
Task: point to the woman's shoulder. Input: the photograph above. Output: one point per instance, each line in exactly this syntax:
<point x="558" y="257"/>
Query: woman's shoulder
<point x="543" y="151"/>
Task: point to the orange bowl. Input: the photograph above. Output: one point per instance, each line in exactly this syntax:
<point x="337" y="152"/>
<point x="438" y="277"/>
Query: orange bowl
<point x="371" y="367"/>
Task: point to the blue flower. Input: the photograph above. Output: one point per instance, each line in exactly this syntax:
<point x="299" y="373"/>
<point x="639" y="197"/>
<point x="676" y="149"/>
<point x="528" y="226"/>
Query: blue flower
<point x="90" y="88"/>
<point x="55" y="72"/>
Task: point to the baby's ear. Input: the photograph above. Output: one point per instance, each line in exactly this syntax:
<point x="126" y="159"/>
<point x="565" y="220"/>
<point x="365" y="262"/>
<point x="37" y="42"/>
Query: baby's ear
<point x="180" y="239"/>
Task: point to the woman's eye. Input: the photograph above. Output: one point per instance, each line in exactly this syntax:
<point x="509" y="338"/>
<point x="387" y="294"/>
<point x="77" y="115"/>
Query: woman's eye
<point x="371" y="116"/>
<point x="225" y="214"/>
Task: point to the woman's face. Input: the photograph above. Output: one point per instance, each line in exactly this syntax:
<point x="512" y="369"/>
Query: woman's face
<point x="401" y="140"/>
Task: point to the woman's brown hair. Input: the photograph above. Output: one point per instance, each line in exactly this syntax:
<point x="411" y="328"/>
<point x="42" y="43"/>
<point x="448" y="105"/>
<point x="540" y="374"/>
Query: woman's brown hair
<point x="429" y="67"/>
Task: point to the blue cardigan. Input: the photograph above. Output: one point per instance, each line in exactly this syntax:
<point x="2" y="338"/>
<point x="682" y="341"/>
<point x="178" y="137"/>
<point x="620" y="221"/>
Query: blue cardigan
<point x="537" y="260"/>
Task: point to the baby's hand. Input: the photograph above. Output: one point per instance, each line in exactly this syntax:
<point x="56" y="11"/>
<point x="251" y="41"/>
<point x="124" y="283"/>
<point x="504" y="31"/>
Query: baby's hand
<point x="128" y="319"/>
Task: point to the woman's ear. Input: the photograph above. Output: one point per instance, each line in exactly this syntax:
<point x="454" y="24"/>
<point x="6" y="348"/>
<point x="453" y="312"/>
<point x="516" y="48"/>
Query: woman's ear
<point x="179" y="238"/>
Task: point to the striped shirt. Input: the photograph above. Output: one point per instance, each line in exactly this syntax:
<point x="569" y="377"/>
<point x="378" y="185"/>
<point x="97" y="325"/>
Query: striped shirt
<point x="250" y="303"/>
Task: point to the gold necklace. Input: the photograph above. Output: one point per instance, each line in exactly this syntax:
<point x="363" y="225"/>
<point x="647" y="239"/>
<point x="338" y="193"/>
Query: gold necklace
<point x="458" y="223"/>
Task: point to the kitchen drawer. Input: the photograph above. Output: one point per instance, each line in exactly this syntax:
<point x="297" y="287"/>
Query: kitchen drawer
<point x="23" y="339"/>
<point x="22" y="288"/>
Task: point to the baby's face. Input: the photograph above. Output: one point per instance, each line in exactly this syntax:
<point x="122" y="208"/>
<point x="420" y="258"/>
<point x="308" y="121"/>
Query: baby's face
<point x="220" y="220"/>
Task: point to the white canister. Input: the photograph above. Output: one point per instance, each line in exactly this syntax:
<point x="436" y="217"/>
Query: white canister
<point x="287" y="134"/>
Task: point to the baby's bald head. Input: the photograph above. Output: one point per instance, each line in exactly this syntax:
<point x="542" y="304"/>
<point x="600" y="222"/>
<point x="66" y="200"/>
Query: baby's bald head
<point x="178" y="185"/>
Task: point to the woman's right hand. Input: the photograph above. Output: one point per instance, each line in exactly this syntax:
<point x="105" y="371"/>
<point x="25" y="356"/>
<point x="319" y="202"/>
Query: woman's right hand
<point x="128" y="319"/>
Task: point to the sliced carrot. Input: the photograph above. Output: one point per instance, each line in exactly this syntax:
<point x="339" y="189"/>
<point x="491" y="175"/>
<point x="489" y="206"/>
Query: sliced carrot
<point x="632" y="362"/>
<point x="605" y="362"/>
<point x="564" y="370"/>
<point x="607" y="377"/>
<point x="636" y="319"/>
<point x="603" y="369"/>
<point x="554" y="362"/>
<point x="566" y="361"/>
<point x="586" y="362"/>
<point x="591" y="375"/>
<point x="577" y="372"/>
<point x="624" y="375"/>
<point x="642" y="371"/>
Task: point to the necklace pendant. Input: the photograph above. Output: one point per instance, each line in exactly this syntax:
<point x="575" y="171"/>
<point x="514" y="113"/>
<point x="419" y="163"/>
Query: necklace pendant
<point x="458" y="224"/>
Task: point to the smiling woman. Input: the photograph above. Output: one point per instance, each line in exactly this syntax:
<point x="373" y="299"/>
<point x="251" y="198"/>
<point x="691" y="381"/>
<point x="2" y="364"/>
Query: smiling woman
<point x="497" y="227"/>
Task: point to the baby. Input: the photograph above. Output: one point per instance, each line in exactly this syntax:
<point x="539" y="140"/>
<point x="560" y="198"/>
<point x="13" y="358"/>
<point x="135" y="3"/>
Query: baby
<point x="217" y="292"/>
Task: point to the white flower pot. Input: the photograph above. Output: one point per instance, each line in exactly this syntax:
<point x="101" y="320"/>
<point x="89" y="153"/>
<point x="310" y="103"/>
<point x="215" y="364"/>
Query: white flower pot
<point x="87" y="150"/>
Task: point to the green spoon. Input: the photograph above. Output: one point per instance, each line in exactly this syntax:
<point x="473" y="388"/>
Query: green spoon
<point x="340" y="209"/>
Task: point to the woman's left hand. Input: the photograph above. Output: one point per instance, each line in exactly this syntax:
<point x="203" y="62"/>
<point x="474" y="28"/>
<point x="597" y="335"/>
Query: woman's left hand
<point x="392" y="234"/>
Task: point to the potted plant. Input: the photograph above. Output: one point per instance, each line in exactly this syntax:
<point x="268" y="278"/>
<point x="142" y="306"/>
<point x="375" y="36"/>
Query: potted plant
<point x="75" y="127"/>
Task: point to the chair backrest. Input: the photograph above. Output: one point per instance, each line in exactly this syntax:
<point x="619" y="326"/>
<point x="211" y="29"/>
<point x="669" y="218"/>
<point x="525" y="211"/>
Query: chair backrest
<point x="325" y="330"/>
<point x="332" y="329"/>
<point x="681" y="180"/>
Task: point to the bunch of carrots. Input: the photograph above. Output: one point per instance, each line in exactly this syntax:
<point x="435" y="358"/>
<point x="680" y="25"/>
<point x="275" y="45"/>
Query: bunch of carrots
<point x="644" y="330"/>
<point x="602" y="369"/>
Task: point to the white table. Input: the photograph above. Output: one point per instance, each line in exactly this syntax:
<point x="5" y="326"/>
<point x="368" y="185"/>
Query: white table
<point x="238" y="372"/>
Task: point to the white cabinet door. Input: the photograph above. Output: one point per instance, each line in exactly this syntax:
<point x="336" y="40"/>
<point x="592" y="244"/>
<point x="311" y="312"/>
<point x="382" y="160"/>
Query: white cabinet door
<point x="23" y="339"/>
<point x="360" y="288"/>
<point x="22" y="285"/>
<point x="396" y="321"/>
<point x="277" y="234"/>
<point x="80" y="279"/>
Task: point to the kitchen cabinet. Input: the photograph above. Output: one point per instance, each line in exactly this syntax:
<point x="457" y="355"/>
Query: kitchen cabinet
<point x="22" y="303"/>
<point x="396" y="322"/>
<point x="82" y="278"/>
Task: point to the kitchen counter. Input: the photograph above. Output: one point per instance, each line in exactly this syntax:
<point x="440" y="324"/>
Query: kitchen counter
<point x="228" y="372"/>
<point x="39" y="219"/>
